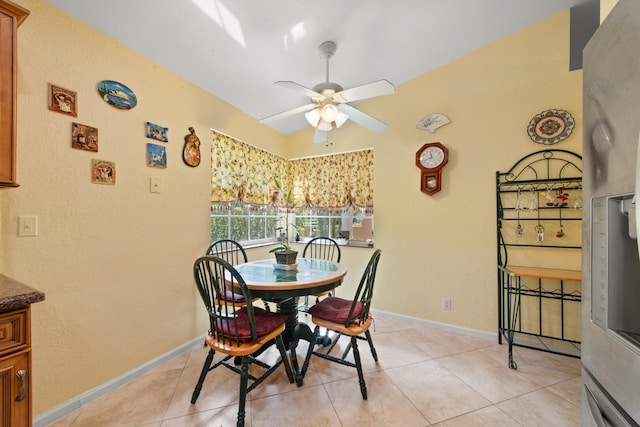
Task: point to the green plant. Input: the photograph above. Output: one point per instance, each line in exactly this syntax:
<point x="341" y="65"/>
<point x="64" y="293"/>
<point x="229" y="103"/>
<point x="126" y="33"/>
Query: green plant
<point x="289" y="203"/>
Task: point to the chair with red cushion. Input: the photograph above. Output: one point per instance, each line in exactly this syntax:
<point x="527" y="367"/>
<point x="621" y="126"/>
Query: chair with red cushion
<point x="347" y="317"/>
<point x="237" y="330"/>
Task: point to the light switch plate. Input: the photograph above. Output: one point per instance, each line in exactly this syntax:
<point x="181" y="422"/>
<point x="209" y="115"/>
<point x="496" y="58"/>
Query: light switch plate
<point x="155" y="185"/>
<point x="27" y="226"/>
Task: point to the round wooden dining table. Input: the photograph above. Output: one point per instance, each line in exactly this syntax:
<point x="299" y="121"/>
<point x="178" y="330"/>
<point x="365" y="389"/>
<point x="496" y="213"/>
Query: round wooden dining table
<point x="283" y="287"/>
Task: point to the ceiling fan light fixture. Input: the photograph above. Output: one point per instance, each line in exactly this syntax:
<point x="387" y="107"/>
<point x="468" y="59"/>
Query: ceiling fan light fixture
<point x="341" y="119"/>
<point x="313" y="116"/>
<point x="329" y="112"/>
<point x="324" y="125"/>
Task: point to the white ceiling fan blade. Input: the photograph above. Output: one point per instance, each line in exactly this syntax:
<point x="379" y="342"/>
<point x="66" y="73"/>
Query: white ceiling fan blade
<point x="299" y="88"/>
<point x="287" y="113"/>
<point x="320" y="136"/>
<point x="362" y="119"/>
<point x="369" y="90"/>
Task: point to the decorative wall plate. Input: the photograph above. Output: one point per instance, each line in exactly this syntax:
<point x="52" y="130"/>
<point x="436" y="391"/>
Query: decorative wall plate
<point x="550" y="127"/>
<point x="117" y="94"/>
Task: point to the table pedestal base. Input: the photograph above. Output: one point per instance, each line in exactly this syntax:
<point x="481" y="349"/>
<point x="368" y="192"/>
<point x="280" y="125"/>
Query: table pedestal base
<point x="294" y="331"/>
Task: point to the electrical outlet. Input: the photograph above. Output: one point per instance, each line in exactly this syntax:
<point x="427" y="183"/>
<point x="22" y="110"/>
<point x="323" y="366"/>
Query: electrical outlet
<point x="446" y="304"/>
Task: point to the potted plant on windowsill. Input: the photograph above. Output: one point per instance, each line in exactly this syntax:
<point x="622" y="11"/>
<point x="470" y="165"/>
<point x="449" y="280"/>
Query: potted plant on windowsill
<point x="283" y="252"/>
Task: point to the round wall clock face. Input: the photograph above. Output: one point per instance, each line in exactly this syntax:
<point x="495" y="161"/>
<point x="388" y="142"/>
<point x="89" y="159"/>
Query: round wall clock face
<point x="432" y="157"/>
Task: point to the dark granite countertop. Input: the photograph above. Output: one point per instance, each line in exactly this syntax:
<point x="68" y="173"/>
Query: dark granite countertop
<point x="14" y="295"/>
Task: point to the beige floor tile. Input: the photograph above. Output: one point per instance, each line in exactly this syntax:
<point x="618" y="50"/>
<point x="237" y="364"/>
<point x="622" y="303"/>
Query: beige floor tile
<point x="132" y="404"/>
<point x="435" y="392"/>
<point x="542" y="408"/>
<point x="570" y="390"/>
<point x="386" y="405"/>
<point x="304" y="407"/>
<point x="489" y="416"/>
<point x="67" y="420"/>
<point x="225" y="416"/>
<point x="540" y="367"/>
<point x="493" y="380"/>
<point x="220" y="389"/>
<point x="439" y="342"/>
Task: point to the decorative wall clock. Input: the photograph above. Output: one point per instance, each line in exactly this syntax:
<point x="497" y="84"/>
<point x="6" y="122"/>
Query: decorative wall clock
<point x="431" y="158"/>
<point x="550" y="127"/>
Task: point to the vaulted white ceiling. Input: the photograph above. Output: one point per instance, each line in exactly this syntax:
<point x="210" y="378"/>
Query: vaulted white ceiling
<point x="237" y="49"/>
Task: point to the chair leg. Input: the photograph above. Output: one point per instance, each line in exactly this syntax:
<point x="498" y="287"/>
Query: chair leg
<point x="356" y="356"/>
<point x="285" y="359"/>
<point x="203" y="374"/>
<point x="373" y="349"/>
<point x="307" y="358"/>
<point x="244" y="376"/>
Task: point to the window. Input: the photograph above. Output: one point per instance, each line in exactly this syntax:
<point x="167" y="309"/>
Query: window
<point x="243" y="224"/>
<point x="333" y="194"/>
<point x="352" y="224"/>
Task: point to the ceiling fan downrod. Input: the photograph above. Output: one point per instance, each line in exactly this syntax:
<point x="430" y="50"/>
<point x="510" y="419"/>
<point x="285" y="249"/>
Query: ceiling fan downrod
<point x="326" y="50"/>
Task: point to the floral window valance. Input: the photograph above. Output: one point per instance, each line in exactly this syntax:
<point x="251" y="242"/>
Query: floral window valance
<point x="242" y="173"/>
<point x="335" y="181"/>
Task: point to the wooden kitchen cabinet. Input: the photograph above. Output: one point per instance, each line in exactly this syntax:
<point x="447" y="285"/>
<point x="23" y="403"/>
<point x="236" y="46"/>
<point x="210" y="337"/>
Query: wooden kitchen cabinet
<point x="11" y="16"/>
<point x="16" y="373"/>
<point x="15" y="368"/>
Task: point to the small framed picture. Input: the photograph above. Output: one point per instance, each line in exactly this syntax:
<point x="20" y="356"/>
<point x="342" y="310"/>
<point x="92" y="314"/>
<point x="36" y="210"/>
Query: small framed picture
<point x="63" y="100"/>
<point x="156" y="156"/>
<point x="157" y="132"/>
<point x="84" y="137"/>
<point x="103" y="172"/>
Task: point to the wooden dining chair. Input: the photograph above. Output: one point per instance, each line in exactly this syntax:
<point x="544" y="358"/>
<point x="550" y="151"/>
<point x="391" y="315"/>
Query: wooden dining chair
<point x="320" y="248"/>
<point x="237" y="331"/>
<point x="229" y="250"/>
<point x="350" y="318"/>
<point x="232" y="252"/>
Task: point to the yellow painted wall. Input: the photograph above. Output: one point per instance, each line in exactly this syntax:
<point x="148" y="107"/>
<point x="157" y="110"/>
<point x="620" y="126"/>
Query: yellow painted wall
<point x="115" y="261"/>
<point x="445" y="245"/>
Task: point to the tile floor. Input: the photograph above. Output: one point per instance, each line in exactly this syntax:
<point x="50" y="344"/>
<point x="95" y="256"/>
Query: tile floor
<point x="425" y="377"/>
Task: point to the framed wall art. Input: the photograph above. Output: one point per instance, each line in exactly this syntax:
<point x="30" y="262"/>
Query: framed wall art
<point x="63" y="100"/>
<point x="103" y="172"/>
<point x="157" y="132"/>
<point x="84" y="137"/>
<point x="156" y="156"/>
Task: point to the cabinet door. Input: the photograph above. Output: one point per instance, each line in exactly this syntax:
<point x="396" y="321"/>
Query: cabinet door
<point x="11" y="15"/>
<point x="15" y="395"/>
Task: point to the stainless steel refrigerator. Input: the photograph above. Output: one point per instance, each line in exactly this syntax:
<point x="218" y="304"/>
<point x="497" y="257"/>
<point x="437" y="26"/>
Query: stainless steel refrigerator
<point x="610" y="261"/>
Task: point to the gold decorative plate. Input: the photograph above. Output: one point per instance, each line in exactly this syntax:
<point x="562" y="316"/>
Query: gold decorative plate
<point x="550" y="127"/>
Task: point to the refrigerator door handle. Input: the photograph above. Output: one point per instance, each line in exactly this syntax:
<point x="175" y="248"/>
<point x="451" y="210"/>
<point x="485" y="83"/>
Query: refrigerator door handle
<point x="594" y="408"/>
<point x="634" y="204"/>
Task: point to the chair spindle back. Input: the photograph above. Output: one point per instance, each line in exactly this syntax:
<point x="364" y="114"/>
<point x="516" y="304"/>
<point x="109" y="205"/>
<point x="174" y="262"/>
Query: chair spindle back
<point x="214" y="278"/>
<point x="322" y="248"/>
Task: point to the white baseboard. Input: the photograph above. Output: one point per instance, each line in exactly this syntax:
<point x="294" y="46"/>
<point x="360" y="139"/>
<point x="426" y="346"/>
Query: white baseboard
<point x="448" y="327"/>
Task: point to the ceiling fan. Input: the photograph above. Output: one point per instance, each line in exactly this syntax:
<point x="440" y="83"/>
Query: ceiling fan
<point x="329" y="108"/>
